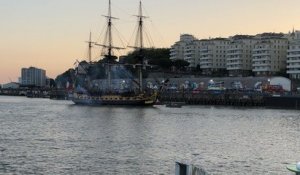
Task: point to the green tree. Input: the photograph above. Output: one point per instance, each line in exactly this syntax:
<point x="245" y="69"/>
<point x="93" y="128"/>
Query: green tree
<point x="180" y="64"/>
<point x="67" y="76"/>
<point x="158" y="57"/>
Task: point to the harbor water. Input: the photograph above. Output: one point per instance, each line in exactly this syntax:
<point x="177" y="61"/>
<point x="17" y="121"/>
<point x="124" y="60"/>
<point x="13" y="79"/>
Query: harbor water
<point x="42" y="136"/>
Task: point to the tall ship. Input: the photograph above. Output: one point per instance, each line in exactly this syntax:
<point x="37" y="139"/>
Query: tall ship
<point x="118" y="85"/>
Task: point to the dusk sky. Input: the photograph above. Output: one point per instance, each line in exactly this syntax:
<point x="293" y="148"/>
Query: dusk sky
<point x="50" y="34"/>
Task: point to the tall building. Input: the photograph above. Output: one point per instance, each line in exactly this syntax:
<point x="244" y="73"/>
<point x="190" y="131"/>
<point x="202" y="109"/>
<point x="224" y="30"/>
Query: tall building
<point x="269" y="54"/>
<point x="33" y="76"/>
<point x="184" y="49"/>
<point x="239" y="55"/>
<point x="213" y="55"/>
<point x="293" y="56"/>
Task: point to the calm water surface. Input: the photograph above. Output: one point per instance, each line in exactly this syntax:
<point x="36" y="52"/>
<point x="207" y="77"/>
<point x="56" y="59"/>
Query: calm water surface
<point x="42" y="136"/>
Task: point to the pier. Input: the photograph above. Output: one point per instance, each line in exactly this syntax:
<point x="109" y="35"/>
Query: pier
<point x="52" y="93"/>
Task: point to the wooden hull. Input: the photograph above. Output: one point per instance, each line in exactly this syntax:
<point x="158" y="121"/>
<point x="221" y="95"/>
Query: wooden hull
<point x="137" y="100"/>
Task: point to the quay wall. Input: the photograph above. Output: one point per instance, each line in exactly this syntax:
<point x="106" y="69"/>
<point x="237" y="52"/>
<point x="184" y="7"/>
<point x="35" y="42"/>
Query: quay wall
<point x="237" y="98"/>
<point x="36" y="92"/>
<point x="214" y="98"/>
<point x="288" y="102"/>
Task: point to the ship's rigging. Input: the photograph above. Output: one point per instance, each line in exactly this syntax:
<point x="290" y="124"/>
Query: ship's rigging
<point x="108" y="95"/>
<point x="108" y="46"/>
<point x="108" y="40"/>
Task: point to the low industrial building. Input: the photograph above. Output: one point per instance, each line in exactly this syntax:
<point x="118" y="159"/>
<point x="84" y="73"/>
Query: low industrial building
<point x="11" y="85"/>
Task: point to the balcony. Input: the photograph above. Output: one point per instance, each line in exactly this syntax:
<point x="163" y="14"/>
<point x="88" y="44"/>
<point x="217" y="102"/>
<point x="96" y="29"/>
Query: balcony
<point x="189" y="51"/>
<point x="234" y="68"/>
<point x="234" y="59"/>
<point x="261" y="59"/>
<point x="261" y="49"/>
<point x="234" y="49"/>
<point x="204" y="49"/>
<point x="234" y="63"/>
<point x="293" y="50"/>
<point x="206" y="66"/>
<point x="293" y="71"/>
<point x="261" y="54"/>
<point x="205" y="53"/>
<point x="205" y="62"/>
<point x="233" y="54"/>
<point x="293" y="56"/>
<point x="260" y="64"/>
<point x="205" y="58"/>
<point x="261" y="69"/>
<point x="173" y="53"/>
<point x="189" y="55"/>
<point x="293" y="66"/>
<point x="293" y="61"/>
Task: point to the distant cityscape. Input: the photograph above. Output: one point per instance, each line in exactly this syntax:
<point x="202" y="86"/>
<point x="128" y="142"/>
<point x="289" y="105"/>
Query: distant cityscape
<point x="263" y="54"/>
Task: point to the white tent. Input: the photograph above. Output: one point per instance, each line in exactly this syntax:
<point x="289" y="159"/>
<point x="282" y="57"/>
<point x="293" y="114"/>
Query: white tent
<point x="284" y="82"/>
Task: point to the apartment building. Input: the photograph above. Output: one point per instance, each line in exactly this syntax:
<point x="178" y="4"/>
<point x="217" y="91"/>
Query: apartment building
<point x="239" y="55"/>
<point x="213" y="55"/>
<point x="269" y="54"/>
<point x="293" y="56"/>
<point x="33" y="76"/>
<point x="210" y="54"/>
<point x="177" y="50"/>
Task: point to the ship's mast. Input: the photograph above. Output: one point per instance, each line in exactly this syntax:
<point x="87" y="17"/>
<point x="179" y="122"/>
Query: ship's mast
<point x="108" y="41"/>
<point x="109" y="17"/>
<point x="90" y="48"/>
<point x="108" y="44"/>
<point x="139" y="38"/>
<point x="140" y="44"/>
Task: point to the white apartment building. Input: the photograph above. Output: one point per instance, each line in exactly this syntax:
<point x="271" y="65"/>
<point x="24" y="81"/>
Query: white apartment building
<point x="239" y="55"/>
<point x="177" y="50"/>
<point x="262" y="54"/>
<point x="33" y="76"/>
<point x="213" y="55"/>
<point x="192" y="53"/>
<point x="189" y="54"/>
<point x="269" y="55"/>
<point x="293" y="56"/>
